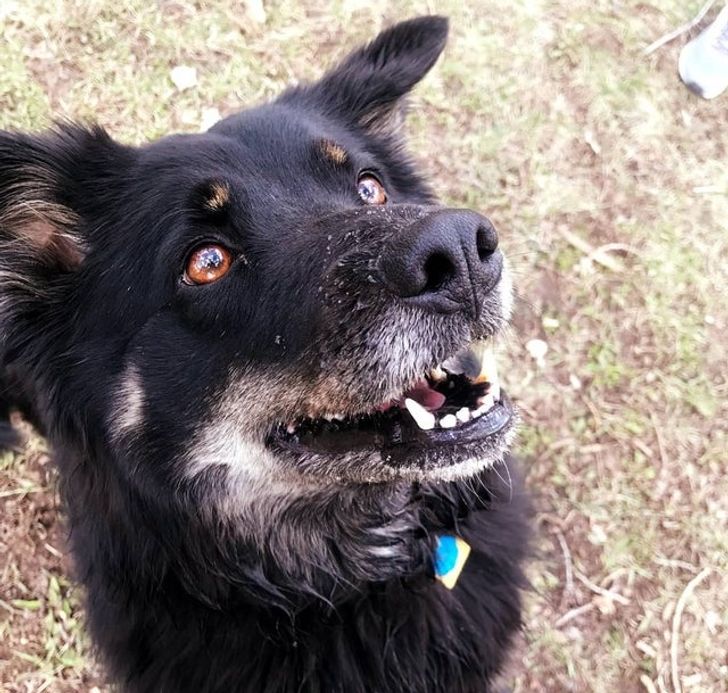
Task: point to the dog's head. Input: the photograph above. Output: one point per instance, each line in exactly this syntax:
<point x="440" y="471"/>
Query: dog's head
<point x="278" y="303"/>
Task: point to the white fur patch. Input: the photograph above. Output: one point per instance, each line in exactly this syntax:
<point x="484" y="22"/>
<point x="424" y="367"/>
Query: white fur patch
<point x="505" y="289"/>
<point x="128" y="412"/>
<point x="222" y="443"/>
<point x="257" y="487"/>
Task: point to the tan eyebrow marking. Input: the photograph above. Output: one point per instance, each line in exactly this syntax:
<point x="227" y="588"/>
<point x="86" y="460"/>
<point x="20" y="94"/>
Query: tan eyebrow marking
<point x="217" y="196"/>
<point x="334" y="152"/>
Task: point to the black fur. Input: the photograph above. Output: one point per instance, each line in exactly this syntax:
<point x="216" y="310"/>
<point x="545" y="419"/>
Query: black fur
<point x="318" y="577"/>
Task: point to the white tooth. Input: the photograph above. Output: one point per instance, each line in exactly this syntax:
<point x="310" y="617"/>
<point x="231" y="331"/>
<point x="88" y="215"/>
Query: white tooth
<point x="423" y="418"/>
<point x="437" y="374"/>
<point x="448" y="421"/>
<point x="291" y="428"/>
<point x="463" y="414"/>
<point x="486" y="403"/>
<point x="488" y="367"/>
<point x="338" y="417"/>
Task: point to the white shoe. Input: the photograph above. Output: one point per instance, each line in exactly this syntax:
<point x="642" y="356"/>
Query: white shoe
<point x="703" y="63"/>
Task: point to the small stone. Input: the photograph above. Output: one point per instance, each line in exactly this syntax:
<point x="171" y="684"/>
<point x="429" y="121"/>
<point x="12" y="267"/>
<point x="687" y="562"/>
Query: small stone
<point x="188" y="116"/>
<point x="183" y="77"/>
<point x="256" y="11"/>
<point x="538" y="349"/>
<point x="210" y="116"/>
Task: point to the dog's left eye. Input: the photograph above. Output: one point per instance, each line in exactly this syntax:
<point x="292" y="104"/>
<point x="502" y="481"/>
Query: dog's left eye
<point x="207" y="263"/>
<point x="370" y="190"/>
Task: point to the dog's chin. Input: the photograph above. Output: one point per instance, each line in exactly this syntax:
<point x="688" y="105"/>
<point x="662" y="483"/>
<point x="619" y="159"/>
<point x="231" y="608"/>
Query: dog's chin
<point x="453" y="423"/>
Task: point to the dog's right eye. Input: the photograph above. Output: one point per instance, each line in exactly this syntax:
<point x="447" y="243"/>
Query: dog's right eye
<point x="370" y="190"/>
<point x="207" y="263"/>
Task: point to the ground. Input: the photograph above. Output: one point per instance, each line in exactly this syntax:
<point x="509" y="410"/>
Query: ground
<point x="608" y="182"/>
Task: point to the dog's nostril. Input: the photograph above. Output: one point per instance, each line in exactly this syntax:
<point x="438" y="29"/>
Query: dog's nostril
<point x="439" y="270"/>
<point x="486" y="241"/>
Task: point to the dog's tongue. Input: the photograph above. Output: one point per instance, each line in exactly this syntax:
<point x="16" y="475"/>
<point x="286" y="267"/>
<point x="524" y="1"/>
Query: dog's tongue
<point x="423" y="394"/>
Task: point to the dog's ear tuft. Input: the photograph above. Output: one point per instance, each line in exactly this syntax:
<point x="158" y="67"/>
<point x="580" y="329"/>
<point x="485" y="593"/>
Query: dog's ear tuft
<point x="49" y="186"/>
<point x="369" y="85"/>
<point x="46" y="183"/>
<point x="40" y="228"/>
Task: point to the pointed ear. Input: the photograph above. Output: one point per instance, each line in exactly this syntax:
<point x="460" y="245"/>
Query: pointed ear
<point x="48" y="184"/>
<point x="368" y="87"/>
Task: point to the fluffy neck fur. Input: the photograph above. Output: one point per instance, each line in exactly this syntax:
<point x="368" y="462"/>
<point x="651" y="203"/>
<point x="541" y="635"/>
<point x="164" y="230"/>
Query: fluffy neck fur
<point x="199" y="609"/>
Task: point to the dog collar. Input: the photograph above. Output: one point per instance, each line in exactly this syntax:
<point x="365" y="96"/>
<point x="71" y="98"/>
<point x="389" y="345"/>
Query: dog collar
<point x="451" y="553"/>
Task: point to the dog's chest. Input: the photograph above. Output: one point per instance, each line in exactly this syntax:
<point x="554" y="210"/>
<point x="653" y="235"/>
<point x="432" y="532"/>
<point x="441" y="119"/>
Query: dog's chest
<point x="416" y="637"/>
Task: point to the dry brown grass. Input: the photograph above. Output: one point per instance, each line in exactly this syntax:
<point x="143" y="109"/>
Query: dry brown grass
<point x="609" y="184"/>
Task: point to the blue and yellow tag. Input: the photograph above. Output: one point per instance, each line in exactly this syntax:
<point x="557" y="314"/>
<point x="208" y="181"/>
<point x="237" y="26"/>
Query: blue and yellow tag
<point x="450" y="555"/>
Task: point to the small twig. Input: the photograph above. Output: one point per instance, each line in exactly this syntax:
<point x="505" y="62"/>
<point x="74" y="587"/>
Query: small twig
<point x="660" y="443"/>
<point x="646" y="681"/>
<point x="609" y="594"/>
<point x="618" y="572"/>
<point x="553" y="519"/>
<point x="20" y="492"/>
<point x="568" y="564"/>
<point x="675" y="640"/>
<point x="52" y="550"/>
<point x="573" y="613"/>
<point x="710" y="190"/>
<point x="594" y="448"/>
<point x="7" y="606"/>
<point x="593" y="254"/>
<point x="669" y="563"/>
<point x="45" y="685"/>
<point x="680" y="30"/>
<point x="646" y="649"/>
<point x="644" y="449"/>
<point x="598" y="254"/>
<point x="593" y="410"/>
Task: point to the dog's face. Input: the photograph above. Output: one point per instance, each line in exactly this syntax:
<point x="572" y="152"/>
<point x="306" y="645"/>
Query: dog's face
<point x="276" y="304"/>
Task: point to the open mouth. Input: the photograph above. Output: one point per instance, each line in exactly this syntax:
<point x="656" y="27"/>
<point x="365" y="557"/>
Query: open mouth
<point x="457" y="404"/>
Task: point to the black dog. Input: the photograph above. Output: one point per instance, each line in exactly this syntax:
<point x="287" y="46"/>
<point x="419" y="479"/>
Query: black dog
<point x="261" y="357"/>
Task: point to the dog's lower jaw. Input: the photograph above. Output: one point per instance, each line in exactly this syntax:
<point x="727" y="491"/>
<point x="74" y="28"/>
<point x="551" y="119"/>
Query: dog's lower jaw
<point x="246" y="473"/>
<point x="352" y="606"/>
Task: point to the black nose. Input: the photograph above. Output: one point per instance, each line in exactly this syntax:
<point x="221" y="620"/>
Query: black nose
<point x="445" y="262"/>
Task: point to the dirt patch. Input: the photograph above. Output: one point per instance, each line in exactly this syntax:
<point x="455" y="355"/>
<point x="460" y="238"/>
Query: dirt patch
<point x="42" y="643"/>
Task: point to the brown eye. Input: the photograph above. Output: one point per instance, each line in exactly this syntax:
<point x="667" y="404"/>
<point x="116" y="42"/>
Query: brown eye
<point x="207" y="264"/>
<point x="371" y="191"/>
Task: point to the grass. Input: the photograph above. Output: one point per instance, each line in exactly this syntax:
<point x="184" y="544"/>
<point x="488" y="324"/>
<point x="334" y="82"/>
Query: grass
<point x="547" y="117"/>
